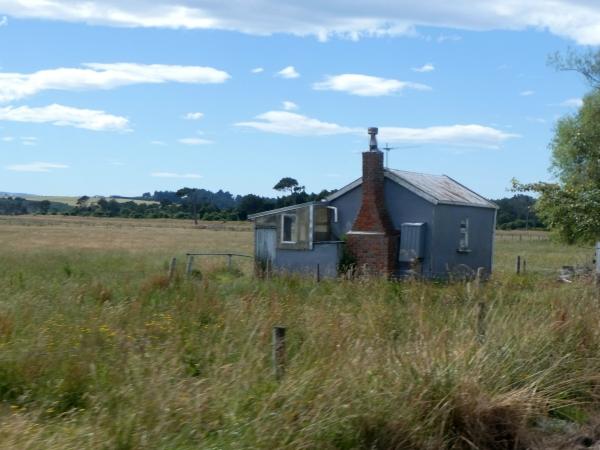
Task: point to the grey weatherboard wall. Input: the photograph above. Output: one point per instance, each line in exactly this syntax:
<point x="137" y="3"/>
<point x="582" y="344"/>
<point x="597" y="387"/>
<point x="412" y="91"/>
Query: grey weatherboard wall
<point x="325" y="254"/>
<point x="482" y="222"/>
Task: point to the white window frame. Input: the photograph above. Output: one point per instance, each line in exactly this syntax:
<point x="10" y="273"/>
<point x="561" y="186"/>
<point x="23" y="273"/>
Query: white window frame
<point x="293" y="231"/>
<point x="463" y="242"/>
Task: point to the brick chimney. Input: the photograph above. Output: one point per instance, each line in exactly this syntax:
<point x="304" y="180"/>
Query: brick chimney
<point x="373" y="239"/>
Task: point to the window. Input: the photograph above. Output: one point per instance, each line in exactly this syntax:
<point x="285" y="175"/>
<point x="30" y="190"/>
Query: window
<point x="288" y="228"/>
<point x="463" y="245"/>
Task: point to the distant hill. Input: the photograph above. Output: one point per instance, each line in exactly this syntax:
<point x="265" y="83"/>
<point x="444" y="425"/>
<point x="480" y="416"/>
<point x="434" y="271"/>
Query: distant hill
<point x="13" y="194"/>
<point x="72" y="201"/>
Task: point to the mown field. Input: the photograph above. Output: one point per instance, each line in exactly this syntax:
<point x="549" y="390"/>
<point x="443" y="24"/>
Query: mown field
<point x="98" y="350"/>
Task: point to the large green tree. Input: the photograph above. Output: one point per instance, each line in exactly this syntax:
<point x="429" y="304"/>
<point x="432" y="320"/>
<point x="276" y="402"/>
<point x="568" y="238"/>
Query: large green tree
<point x="571" y="206"/>
<point x="288" y="184"/>
<point x="190" y="195"/>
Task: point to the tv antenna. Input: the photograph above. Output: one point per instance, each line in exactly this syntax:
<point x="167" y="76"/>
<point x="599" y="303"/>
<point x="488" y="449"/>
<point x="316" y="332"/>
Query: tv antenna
<point x="387" y="149"/>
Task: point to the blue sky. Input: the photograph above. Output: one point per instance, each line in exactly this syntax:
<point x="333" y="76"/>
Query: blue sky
<point x="143" y="99"/>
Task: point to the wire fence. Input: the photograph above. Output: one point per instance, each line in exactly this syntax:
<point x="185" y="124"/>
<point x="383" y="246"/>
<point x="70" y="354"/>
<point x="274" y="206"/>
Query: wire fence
<point x="522" y="236"/>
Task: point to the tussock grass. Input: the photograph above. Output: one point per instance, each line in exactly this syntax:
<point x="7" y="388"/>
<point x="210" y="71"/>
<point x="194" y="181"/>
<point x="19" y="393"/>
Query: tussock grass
<point x="95" y="357"/>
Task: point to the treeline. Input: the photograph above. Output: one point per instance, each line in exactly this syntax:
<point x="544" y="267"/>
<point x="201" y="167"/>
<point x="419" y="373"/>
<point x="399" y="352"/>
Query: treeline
<point x="14" y="206"/>
<point x="517" y="212"/>
<point x="199" y="204"/>
<point x="186" y="203"/>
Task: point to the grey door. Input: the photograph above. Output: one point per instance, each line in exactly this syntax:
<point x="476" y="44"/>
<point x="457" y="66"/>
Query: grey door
<point x="266" y="244"/>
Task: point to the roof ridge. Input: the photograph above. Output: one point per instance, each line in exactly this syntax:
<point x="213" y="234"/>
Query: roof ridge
<point x="418" y="173"/>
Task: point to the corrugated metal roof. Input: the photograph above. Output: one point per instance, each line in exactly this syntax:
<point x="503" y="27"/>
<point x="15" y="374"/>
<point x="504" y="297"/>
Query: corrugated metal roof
<point x="284" y="209"/>
<point x="433" y="188"/>
<point x="441" y="187"/>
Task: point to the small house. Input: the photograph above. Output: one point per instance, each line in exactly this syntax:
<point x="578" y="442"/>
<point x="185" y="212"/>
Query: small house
<point x="391" y="222"/>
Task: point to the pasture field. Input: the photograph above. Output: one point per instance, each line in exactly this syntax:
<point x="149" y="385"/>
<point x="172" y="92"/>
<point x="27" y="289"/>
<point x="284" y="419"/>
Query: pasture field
<point x="99" y="350"/>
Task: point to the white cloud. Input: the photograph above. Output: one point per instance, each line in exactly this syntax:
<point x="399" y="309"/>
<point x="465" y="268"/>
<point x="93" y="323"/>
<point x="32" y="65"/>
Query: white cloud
<point x="288" y="72"/>
<point x="288" y="123"/>
<point x="194" y="141"/>
<point x="175" y="175"/>
<point x="258" y="70"/>
<point x="573" y="103"/>
<point x="526" y="93"/>
<point x="194" y="116"/>
<point x="576" y="19"/>
<point x="14" y="86"/>
<point x="25" y="140"/>
<point x="366" y="85"/>
<point x="36" y="167"/>
<point x="424" y="68"/>
<point x="289" y="106"/>
<point x="29" y="141"/>
<point x="448" y="38"/>
<point x="60" y="115"/>
<point x="284" y="122"/>
<point x="459" y="135"/>
<point x="3" y="21"/>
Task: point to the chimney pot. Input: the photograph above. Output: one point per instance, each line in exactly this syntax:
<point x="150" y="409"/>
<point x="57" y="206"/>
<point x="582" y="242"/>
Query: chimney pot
<point x="373" y="143"/>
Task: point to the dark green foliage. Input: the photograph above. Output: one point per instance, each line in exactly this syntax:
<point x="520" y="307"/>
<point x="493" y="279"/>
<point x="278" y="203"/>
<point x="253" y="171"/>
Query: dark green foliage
<point x="347" y="260"/>
<point x="517" y="212"/>
<point x="15" y="206"/>
<point x="287" y="184"/>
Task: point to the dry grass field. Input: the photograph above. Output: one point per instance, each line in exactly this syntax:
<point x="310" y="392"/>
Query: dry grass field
<point x="159" y="236"/>
<point x="99" y="350"/>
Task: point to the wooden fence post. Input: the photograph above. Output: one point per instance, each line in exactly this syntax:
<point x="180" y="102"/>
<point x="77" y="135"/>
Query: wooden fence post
<point x="172" y="268"/>
<point x="518" y="265"/>
<point x="190" y="265"/>
<point x="278" y="352"/>
<point x="524" y="265"/>
<point x="479" y="276"/>
<point x="318" y="273"/>
<point x="481" y="322"/>
<point x="598" y="263"/>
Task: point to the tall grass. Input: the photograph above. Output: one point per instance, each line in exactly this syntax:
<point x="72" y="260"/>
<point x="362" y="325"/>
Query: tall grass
<point x="99" y="350"/>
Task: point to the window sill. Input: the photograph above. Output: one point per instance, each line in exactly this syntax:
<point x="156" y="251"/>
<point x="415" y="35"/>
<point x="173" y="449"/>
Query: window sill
<point x="463" y="250"/>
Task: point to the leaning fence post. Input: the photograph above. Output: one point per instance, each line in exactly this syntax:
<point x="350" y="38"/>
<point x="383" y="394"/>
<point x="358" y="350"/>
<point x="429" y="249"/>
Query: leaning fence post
<point x="190" y="264"/>
<point x="172" y="268"/>
<point x="278" y="351"/>
<point x="518" y="265"/>
<point x="481" y="322"/>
